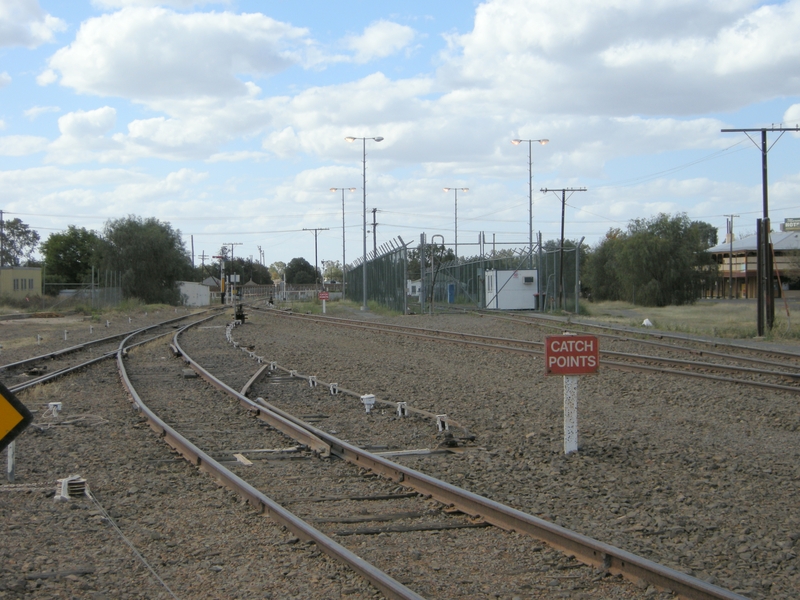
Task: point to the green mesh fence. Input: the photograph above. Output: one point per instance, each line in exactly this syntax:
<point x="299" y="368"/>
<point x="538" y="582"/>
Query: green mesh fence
<point x="386" y="278"/>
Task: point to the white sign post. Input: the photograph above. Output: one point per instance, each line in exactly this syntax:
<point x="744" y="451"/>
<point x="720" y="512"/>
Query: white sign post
<point x="570" y="414"/>
<point x="571" y="356"/>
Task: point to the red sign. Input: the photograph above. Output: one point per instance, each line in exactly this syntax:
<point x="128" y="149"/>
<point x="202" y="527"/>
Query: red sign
<point x="324" y="296"/>
<point x="571" y="355"/>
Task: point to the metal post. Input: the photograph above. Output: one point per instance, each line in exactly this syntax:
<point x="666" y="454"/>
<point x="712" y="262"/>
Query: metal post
<point x="11" y="451"/>
<point x="570" y="414"/>
<point x="760" y="278"/>
<point x="560" y="300"/>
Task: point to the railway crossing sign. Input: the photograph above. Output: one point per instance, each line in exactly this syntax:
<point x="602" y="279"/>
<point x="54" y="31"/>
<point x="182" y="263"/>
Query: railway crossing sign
<point x="14" y="417"/>
<point x="571" y="356"/>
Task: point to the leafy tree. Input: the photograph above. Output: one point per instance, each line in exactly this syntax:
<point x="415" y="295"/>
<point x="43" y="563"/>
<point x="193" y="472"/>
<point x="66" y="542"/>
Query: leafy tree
<point x="657" y="262"/>
<point x="68" y="256"/>
<point x="150" y="255"/>
<point x="277" y="269"/>
<point x="438" y="252"/>
<point x="332" y="270"/>
<point x="300" y="271"/>
<point x="18" y="241"/>
<point x="247" y="270"/>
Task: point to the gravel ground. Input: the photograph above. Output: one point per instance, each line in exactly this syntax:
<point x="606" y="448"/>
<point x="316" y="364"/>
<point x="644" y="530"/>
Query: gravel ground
<point x="700" y="476"/>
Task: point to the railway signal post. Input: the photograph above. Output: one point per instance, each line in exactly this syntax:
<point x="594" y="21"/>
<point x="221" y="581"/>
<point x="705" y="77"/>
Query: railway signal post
<point x="571" y="356"/>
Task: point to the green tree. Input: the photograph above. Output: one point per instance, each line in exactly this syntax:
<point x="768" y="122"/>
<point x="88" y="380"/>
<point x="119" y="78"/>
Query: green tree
<point x="69" y="255"/>
<point x="18" y="242"/>
<point x="277" y="270"/>
<point x="331" y="270"/>
<point x="150" y="255"/>
<point x="657" y="262"/>
<point x="300" y="271"/>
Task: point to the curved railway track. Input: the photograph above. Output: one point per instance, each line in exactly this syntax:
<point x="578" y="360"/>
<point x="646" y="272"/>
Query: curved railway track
<point x="475" y="511"/>
<point x="591" y="552"/>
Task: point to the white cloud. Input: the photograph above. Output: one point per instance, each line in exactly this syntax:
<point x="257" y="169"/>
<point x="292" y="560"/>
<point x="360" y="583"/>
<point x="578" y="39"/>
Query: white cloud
<point x="151" y="54"/>
<point x="115" y="4"/>
<point x="34" y="111"/>
<point x="626" y="57"/>
<point x="380" y="39"/>
<point x="21" y="145"/>
<point x="24" y="23"/>
<point x="91" y="123"/>
<point x="46" y="77"/>
<point x="5" y="79"/>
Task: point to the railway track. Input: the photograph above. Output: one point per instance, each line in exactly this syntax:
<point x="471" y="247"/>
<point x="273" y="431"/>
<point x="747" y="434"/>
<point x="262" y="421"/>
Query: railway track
<point x="341" y="490"/>
<point x="406" y="515"/>
<point x="35" y="370"/>
<point x="782" y="376"/>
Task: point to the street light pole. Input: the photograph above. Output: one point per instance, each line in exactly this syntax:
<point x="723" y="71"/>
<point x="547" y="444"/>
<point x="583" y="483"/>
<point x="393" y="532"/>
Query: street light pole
<point x="364" y="211"/>
<point x="530" y="194"/>
<point x="447" y="189"/>
<point x="344" y="275"/>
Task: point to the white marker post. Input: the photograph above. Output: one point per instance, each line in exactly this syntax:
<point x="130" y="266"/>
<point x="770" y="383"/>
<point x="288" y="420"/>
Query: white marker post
<point x="325" y="296"/>
<point x="571" y="356"/>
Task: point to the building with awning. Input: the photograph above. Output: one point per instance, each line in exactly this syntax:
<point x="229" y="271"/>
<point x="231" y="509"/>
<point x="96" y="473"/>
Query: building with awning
<point x="737" y="260"/>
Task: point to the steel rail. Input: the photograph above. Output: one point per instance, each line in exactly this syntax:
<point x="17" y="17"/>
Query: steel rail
<point x="340" y="390"/>
<point x="276" y="421"/>
<point x="628" y="338"/>
<point x="585" y="549"/>
<point x="78" y="347"/>
<point x="261" y="502"/>
<point x="657" y="334"/>
<point x="466" y="339"/>
<point x="71" y="369"/>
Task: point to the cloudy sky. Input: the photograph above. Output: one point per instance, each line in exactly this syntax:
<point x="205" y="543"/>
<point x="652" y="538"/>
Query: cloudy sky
<point x="228" y="119"/>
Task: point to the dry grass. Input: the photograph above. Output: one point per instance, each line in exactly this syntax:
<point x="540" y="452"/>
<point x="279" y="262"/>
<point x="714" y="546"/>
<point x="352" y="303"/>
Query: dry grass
<point x="719" y="318"/>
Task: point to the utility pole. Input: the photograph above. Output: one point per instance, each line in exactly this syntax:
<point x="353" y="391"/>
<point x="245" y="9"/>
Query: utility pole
<point x="203" y="263"/>
<point x="559" y="283"/>
<point x="316" y="230"/>
<point x="730" y="255"/>
<point x="230" y="287"/>
<point x="374" y="233"/>
<point x="766" y="294"/>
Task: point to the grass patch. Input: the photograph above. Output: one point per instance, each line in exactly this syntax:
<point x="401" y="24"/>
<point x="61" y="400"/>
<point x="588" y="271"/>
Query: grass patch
<point x="718" y="318"/>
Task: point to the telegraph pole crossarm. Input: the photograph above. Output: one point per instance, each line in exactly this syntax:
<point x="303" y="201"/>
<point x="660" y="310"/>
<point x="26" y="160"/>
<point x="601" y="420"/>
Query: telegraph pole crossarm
<point x="559" y="285"/>
<point x="766" y="295"/>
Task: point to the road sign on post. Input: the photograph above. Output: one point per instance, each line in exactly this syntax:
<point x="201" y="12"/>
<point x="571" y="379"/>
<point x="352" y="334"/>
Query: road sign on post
<point x="14" y="417"/>
<point x="571" y="356"/>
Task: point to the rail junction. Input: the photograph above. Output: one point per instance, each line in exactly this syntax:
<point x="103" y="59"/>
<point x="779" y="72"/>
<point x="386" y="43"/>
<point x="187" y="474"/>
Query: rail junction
<point x="263" y="368"/>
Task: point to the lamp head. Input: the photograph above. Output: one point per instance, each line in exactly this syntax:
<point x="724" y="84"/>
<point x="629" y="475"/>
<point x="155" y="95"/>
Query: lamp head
<point x="447" y="189"/>
<point x="350" y="138"/>
<point x="334" y="189"/>
<point x="516" y="142"/>
<point x="378" y="139"/>
<point x="543" y="142"/>
<point x="352" y="189"/>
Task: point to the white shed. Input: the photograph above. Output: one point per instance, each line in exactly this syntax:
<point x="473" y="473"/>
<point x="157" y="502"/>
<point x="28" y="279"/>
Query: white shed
<point x="194" y="294"/>
<point x="512" y="290"/>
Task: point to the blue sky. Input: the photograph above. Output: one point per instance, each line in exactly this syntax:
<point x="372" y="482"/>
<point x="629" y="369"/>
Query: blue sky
<point x="228" y="119"/>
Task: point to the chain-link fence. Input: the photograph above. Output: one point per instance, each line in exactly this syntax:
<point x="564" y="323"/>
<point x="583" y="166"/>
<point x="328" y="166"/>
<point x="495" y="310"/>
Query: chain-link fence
<point x="462" y="282"/>
<point x="103" y="290"/>
<point x="387" y="273"/>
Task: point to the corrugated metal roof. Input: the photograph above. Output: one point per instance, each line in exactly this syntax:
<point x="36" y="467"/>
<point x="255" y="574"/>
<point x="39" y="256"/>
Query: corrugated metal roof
<point x="781" y="240"/>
